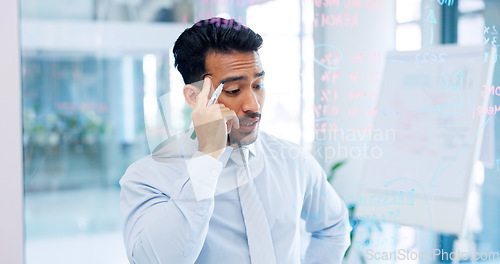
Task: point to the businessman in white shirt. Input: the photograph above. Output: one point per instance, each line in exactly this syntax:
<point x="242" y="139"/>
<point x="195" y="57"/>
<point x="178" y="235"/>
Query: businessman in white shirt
<point x="233" y="194"/>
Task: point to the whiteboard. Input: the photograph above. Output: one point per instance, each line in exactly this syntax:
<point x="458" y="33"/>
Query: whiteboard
<point x="431" y="101"/>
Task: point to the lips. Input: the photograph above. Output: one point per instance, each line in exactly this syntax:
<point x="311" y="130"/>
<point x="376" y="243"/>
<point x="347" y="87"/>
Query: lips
<point x="248" y="125"/>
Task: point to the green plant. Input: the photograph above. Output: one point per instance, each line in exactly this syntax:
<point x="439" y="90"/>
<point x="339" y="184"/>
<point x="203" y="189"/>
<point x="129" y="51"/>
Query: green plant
<point x="333" y="169"/>
<point x="353" y="221"/>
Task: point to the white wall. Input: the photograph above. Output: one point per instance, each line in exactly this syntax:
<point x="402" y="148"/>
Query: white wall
<point x="11" y="184"/>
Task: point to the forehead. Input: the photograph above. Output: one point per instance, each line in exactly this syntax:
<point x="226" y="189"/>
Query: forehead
<point x="220" y="65"/>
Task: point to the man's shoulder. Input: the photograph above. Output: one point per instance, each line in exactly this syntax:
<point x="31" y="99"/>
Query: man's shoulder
<point x="138" y="167"/>
<point x="141" y="163"/>
<point x="274" y="141"/>
<point x="282" y="148"/>
<point x="152" y="168"/>
<point x="280" y="151"/>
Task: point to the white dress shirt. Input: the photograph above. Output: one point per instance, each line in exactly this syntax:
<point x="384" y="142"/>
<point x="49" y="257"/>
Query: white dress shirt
<point x="182" y="206"/>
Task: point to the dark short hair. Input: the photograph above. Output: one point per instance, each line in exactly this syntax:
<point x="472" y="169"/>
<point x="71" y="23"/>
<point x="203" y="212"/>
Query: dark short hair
<point x="214" y="34"/>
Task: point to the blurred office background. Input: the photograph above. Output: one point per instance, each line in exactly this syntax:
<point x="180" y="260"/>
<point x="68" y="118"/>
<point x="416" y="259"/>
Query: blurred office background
<point x="94" y="76"/>
<point x="94" y="73"/>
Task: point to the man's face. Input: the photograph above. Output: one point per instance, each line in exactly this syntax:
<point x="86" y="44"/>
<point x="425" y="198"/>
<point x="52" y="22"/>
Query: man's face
<point x="243" y="90"/>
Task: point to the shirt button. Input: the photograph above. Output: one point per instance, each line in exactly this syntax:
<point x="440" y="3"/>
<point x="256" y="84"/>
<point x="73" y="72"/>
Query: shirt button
<point x="213" y="173"/>
<point x="202" y="212"/>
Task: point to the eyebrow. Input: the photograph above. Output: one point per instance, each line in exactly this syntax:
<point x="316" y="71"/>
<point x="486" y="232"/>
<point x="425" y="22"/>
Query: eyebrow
<point x="237" y="78"/>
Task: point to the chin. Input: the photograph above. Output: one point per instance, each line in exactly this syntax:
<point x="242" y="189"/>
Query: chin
<point x="243" y="139"/>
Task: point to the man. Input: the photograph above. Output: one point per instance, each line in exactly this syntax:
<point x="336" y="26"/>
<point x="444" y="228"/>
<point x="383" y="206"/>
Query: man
<point x="232" y="195"/>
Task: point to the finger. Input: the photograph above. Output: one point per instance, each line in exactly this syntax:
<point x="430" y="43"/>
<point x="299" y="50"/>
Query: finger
<point x="225" y="109"/>
<point x="231" y="117"/>
<point x="236" y="123"/>
<point x="220" y="106"/>
<point x="202" y="98"/>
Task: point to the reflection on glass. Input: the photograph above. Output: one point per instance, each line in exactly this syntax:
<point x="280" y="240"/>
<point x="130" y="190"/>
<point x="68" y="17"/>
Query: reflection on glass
<point x="83" y="126"/>
<point x="408" y="37"/>
<point x="88" y="101"/>
<point x="407" y="10"/>
<point x="469" y="31"/>
<point x="465" y="6"/>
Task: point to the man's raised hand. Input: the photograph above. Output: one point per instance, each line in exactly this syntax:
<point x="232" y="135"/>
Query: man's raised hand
<point x="212" y="123"/>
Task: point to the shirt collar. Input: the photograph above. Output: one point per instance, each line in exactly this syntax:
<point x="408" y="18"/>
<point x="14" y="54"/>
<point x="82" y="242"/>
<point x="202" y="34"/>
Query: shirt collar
<point x="229" y="150"/>
<point x="251" y="147"/>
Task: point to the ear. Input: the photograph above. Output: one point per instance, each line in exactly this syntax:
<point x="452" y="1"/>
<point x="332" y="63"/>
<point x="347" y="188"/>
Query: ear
<point x="190" y="93"/>
<point x="192" y="90"/>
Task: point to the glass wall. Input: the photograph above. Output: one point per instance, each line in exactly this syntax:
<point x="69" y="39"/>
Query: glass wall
<point x="100" y="91"/>
<point x="99" y="87"/>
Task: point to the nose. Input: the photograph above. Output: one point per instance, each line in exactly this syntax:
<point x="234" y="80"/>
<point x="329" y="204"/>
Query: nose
<point x="250" y="102"/>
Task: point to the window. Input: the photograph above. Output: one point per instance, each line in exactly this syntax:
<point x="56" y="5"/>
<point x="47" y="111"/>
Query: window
<point x="409" y="23"/>
<point x="99" y="86"/>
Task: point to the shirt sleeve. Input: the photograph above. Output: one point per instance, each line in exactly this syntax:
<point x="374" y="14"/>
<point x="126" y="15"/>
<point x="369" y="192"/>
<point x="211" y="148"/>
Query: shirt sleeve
<point x="326" y="217"/>
<point x="167" y="221"/>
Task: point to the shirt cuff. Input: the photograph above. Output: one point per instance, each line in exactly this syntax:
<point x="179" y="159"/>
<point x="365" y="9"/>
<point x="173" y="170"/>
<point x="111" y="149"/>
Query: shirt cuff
<point x="204" y="171"/>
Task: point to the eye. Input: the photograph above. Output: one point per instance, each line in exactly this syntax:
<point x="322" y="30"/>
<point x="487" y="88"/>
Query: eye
<point x="259" y="86"/>
<point x="232" y="92"/>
